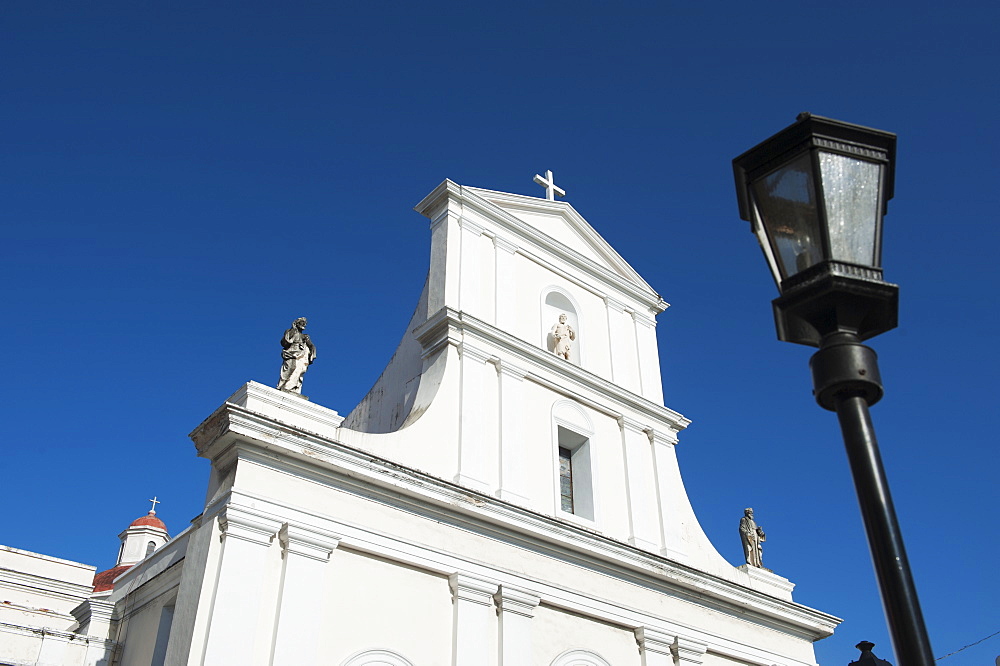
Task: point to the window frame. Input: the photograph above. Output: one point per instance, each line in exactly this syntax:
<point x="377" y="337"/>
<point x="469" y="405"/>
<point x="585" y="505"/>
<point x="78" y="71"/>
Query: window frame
<point x="573" y="430"/>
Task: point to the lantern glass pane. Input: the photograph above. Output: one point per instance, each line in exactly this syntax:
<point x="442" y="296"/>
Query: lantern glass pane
<point x="786" y="203"/>
<point x="850" y="194"/>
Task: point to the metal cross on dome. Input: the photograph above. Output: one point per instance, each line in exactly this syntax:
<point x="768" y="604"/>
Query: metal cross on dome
<point x="551" y="189"/>
<point x="155" y="502"/>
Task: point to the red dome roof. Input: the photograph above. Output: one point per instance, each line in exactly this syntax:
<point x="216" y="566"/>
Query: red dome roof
<point x="149" y="520"/>
<point x="105" y="580"/>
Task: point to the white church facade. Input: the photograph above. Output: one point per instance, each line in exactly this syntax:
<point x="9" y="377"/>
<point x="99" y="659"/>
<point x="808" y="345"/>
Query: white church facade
<point x="507" y="494"/>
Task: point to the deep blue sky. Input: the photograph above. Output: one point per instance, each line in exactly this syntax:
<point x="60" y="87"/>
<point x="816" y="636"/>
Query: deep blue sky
<point x="179" y="181"/>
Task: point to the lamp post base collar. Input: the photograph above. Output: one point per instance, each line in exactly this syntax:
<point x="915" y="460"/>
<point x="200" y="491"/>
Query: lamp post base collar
<point x="843" y="366"/>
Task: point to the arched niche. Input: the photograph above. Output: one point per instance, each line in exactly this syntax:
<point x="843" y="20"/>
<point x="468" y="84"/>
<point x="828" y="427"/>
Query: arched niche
<point x="580" y="658"/>
<point x="556" y="301"/>
<point x="571" y="415"/>
<point x="377" y="658"/>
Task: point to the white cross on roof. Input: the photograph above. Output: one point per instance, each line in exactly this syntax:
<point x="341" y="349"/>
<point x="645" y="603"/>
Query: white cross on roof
<point x="551" y="189"/>
<point x="155" y="502"/>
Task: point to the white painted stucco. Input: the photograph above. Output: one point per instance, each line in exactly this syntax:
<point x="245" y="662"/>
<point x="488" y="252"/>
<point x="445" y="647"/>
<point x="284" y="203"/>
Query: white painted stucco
<point x="426" y="528"/>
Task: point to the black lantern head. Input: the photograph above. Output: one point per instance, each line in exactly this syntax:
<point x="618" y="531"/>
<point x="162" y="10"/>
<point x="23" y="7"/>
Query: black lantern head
<point x="814" y="195"/>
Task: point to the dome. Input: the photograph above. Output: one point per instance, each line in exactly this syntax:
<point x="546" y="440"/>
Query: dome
<point x="149" y="520"/>
<point x="105" y="580"/>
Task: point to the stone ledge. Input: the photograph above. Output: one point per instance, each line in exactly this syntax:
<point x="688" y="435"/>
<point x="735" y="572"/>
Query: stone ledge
<point x="288" y="408"/>
<point x="768" y="582"/>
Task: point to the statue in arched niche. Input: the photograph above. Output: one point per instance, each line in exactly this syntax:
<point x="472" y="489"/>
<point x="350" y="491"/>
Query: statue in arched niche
<point x="562" y="335"/>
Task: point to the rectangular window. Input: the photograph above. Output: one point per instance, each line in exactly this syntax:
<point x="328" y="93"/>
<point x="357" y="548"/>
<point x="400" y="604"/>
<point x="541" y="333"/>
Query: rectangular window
<point x="566" y="479"/>
<point x="576" y="483"/>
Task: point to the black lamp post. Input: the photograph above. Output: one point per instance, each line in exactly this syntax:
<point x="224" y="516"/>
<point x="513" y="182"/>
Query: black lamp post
<point x="814" y="195"/>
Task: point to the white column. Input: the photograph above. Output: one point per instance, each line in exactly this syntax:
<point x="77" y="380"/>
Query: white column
<point x="473" y="619"/>
<point x="517" y="607"/>
<point x="649" y="358"/>
<point x="474" y="465"/>
<point x="305" y="553"/>
<point x="506" y="293"/>
<point x="469" y="285"/>
<point x="672" y="499"/>
<point x="655" y="646"/>
<point x="513" y="445"/>
<point x="236" y="602"/>
<point x="640" y="480"/>
<point x="688" y="652"/>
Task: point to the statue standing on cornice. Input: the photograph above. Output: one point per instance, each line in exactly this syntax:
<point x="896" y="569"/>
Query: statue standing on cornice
<point x="298" y="353"/>
<point x="752" y="536"/>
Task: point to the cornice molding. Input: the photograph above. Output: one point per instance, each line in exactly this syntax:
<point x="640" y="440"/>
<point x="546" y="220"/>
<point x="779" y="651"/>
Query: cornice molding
<point x="613" y="305"/>
<point x="578" y="223"/>
<point x="471" y="588"/>
<point x="440" y="329"/>
<point x="471" y="226"/>
<point x="652" y="640"/>
<point x="510" y="370"/>
<point x="256" y="438"/>
<point x="237" y="523"/>
<point x="55" y="588"/>
<point x="56" y="634"/>
<point x="306" y="542"/>
<point x="460" y="325"/>
<point x="688" y="650"/>
<point x="518" y="602"/>
<point x="505" y="245"/>
<point x="644" y="320"/>
<point x="667" y="438"/>
<point x="474" y="353"/>
<point x="768" y="578"/>
<point x="472" y="199"/>
<point x="631" y="425"/>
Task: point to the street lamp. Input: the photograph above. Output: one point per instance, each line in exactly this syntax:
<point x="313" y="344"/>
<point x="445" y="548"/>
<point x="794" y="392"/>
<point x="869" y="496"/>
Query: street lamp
<point x="814" y="194"/>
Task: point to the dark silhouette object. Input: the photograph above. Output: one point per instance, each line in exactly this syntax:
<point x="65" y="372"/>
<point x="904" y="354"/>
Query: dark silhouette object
<point x="867" y="658"/>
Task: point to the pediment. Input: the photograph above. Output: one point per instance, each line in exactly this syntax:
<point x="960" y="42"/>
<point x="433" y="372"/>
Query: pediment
<point x="561" y="222"/>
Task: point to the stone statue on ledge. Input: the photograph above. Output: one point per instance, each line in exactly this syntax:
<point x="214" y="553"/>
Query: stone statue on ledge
<point x="752" y="536"/>
<point x="562" y="335"/>
<point x="298" y="354"/>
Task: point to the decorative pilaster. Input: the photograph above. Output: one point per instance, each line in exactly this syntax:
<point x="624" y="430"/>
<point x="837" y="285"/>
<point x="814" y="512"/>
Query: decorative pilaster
<point x="671" y="493"/>
<point x="94" y="618"/>
<point x="649" y="358"/>
<point x="644" y="528"/>
<point x="473" y="617"/>
<point x="613" y="309"/>
<point x="469" y="285"/>
<point x="305" y="553"/>
<point x="655" y="646"/>
<point x="688" y="652"/>
<point x="513" y="451"/>
<point x="624" y="355"/>
<point x="473" y="459"/>
<point x="245" y="538"/>
<point x="443" y="277"/>
<point x="517" y="608"/>
<point x="505" y="296"/>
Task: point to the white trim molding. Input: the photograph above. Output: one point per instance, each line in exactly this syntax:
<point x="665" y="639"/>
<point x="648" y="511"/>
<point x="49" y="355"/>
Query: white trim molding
<point x="377" y="658"/>
<point x="580" y="658"/>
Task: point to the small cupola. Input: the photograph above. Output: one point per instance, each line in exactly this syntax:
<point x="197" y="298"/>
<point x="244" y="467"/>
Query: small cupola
<point x="142" y="537"/>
